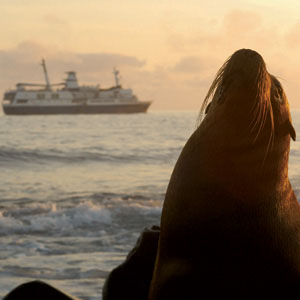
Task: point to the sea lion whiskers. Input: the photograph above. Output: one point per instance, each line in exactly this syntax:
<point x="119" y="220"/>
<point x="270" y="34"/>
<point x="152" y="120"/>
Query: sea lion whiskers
<point x="217" y="85"/>
<point x="262" y="98"/>
<point x="263" y="109"/>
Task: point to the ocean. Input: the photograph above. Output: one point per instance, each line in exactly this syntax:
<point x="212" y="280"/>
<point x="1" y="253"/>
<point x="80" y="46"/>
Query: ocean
<point x="76" y="191"/>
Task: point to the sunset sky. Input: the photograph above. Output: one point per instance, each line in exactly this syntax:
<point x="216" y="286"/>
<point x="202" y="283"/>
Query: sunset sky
<point x="168" y="51"/>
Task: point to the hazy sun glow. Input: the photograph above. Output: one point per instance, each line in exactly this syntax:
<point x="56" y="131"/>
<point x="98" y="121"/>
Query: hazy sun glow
<point x="167" y="50"/>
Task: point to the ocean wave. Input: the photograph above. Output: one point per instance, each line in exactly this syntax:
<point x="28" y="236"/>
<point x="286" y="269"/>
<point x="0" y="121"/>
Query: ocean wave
<point x="49" y="273"/>
<point x="44" y="156"/>
<point x="37" y="219"/>
<point x="86" y="215"/>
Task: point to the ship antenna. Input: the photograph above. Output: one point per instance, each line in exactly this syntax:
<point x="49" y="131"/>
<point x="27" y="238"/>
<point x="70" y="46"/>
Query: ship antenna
<point x="117" y="79"/>
<point x="48" y="86"/>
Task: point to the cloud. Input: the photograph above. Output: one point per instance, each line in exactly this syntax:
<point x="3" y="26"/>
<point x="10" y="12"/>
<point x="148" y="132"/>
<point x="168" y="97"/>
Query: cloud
<point x="190" y="64"/>
<point x="94" y="61"/>
<point x="203" y="49"/>
<point x="24" y="53"/>
<point x="237" y="29"/>
<point x="21" y="63"/>
<point x="53" y="19"/>
<point x="242" y="24"/>
<point x="292" y="37"/>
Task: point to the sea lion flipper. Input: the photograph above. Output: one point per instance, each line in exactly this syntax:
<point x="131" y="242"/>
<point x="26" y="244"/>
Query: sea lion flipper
<point x="131" y="280"/>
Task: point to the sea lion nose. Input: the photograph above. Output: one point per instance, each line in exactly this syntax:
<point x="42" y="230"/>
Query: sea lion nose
<point x="249" y="52"/>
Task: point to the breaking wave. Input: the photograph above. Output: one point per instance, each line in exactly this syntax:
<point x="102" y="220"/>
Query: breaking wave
<point x="17" y="155"/>
<point x="68" y="217"/>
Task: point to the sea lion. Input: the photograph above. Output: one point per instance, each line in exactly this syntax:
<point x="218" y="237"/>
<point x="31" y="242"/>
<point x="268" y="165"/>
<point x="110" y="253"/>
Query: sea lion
<point x="37" y="290"/>
<point x="131" y="280"/>
<point x="230" y="224"/>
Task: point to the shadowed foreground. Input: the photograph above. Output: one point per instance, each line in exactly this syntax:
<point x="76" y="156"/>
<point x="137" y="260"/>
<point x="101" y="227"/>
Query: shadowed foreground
<point x="129" y="281"/>
<point x="35" y="290"/>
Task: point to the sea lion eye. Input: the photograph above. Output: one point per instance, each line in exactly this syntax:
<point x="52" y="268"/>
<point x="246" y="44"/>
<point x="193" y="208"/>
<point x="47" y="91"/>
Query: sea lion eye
<point x="278" y="92"/>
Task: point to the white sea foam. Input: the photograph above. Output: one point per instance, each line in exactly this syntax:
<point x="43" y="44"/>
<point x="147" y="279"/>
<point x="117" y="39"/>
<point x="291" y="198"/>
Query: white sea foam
<point x="48" y="218"/>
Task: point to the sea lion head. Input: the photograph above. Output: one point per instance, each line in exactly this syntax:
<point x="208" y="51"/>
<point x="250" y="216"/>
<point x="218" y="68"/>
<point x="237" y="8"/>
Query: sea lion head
<point x="250" y="98"/>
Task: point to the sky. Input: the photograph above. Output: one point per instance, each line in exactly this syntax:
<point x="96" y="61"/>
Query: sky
<point x="167" y="51"/>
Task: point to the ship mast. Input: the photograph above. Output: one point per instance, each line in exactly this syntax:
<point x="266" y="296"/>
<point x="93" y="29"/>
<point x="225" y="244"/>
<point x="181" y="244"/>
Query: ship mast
<point x="117" y="78"/>
<point x="46" y="75"/>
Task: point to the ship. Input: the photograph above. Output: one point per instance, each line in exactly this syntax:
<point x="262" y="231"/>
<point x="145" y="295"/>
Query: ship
<point x="69" y="97"/>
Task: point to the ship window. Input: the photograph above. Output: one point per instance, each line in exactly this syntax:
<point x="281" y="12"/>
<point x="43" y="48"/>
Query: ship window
<point x="54" y="96"/>
<point x="22" y="101"/>
<point x="41" y="96"/>
<point x="9" y="96"/>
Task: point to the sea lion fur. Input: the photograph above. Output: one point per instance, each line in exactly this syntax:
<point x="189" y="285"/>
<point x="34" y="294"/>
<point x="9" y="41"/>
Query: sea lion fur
<point x="230" y="224"/>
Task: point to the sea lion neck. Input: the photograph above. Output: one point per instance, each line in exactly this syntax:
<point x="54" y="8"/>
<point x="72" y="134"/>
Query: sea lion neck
<point x="239" y="155"/>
